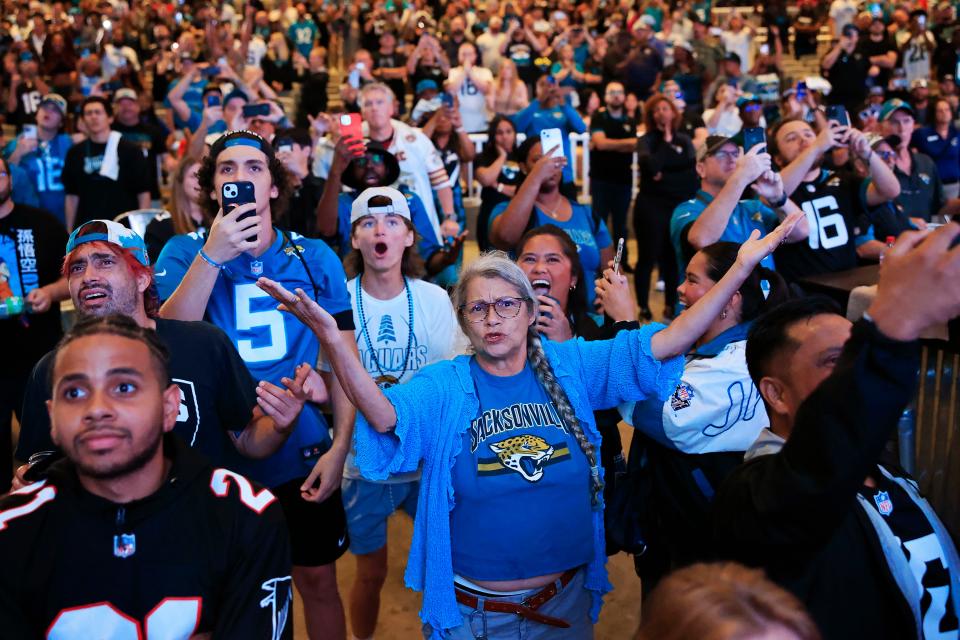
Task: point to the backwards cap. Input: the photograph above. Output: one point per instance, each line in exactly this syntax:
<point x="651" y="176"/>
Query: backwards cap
<point x="112" y="232"/>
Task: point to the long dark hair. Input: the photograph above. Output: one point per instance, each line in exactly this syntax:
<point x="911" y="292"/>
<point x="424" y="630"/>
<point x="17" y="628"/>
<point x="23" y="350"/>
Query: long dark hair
<point x="721" y="256"/>
<point x="486" y="157"/>
<point x="577" y="300"/>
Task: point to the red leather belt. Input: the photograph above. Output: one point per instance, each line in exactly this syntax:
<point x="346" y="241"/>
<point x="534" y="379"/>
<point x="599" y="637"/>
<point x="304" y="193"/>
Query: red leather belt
<point x="526" y="609"/>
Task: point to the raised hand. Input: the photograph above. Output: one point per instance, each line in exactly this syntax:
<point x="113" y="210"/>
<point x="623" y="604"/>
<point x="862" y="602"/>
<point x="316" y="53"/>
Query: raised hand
<point x="615" y="296"/>
<point x="552" y="321"/>
<point x="755" y="248"/>
<point x="228" y="234"/>
<point x="304" y="308"/>
<point x="284" y="404"/>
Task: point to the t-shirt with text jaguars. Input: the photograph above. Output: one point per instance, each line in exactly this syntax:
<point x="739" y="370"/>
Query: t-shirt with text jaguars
<point x="521" y="485"/>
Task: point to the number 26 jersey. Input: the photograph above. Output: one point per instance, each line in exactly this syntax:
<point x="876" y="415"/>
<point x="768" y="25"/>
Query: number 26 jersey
<point x="834" y="207"/>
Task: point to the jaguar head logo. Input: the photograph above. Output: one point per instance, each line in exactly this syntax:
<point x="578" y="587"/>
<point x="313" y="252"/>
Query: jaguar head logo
<point x="524" y="454"/>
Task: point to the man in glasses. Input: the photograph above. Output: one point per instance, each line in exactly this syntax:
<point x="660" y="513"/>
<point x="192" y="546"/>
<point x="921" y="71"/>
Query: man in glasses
<point x="613" y="140"/>
<point x="362" y="168"/>
<point x="719" y="211"/>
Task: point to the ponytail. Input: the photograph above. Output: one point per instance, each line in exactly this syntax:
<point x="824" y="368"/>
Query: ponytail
<point x="544" y="372"/>
<point x="763" y="289"/>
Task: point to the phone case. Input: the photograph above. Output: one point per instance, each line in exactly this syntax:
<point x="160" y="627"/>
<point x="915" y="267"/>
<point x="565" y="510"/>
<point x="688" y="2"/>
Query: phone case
<point x="234" y="194"/>
<point x="350" y="125"/>
<point x="550" y="138"/>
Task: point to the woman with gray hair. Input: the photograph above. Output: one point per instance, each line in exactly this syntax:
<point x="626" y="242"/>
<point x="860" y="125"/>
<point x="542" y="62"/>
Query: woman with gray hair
<point x="508" y="537"/>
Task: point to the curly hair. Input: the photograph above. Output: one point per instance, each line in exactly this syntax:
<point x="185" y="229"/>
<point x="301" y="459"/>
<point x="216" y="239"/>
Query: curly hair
<point x="281" y="178"/>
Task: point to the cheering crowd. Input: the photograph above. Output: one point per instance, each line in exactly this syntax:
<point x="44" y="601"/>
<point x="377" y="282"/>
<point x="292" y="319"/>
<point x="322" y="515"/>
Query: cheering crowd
<point x="263" y="219"/>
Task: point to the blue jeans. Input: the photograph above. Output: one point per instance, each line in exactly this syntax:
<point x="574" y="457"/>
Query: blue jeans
<point x="571" y="604"/>
<point x="610" y="202"/>
<point x="368" y="505"/>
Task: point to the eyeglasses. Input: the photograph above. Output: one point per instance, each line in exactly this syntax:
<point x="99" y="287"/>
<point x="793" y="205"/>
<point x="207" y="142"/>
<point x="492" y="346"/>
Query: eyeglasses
<point x="752" y="107"/>
<point x="887" y="155"/>
<point x="727" y="155"/>
<point x="506" y="308"/>
<point x="614" y="92"/>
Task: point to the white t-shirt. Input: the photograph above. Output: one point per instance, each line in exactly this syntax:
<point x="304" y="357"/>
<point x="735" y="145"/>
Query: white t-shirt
<point x="843" y="13"/>
<point x="489" y="45"/>
<point x="740" y="43"/>
<point x="729" y="124"/>
<point x="473" y="104"/>
<point x="386" y="324"/>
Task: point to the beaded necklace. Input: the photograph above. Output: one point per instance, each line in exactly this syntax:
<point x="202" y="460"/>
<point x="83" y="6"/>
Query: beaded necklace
<point x="385" y="381"/>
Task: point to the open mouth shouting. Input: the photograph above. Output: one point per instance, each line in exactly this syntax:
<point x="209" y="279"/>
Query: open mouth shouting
<point x="541" y="287"/>
<point x="380" y="249"/>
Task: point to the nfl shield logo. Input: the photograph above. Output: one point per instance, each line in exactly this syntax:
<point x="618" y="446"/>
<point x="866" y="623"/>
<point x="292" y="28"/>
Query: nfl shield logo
<point x="681" y="397"/>
<point x="884" y="504"/>
<point x="124" y="545"/>
<point x="256" y="267"/>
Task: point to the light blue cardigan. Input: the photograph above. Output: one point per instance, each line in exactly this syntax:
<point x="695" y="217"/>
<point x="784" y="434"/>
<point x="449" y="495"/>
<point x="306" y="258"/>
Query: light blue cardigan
<point x="435" y="408"/>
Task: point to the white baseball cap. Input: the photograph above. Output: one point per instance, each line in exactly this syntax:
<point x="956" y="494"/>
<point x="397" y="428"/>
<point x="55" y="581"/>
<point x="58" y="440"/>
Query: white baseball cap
<point x="361" y="207"/>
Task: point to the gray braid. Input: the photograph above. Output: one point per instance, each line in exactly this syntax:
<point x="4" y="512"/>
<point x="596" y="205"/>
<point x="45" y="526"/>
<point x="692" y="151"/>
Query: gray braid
<point x="541" y="366"/>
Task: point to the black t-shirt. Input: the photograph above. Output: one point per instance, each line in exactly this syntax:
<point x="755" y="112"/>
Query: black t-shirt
<point x="150" y="139"/>
<point x="390" y="61"/>
<point x="847" y="77"/>
<point x="523" y="57"/>
<point x="101" y="197"/>
<point x="690" y="122"/>
<point x="833" y="204"/>
<point x="612" y="166"/>
<point x="923" y="551"/>
<point x="32" y="242"/>
<point x="217" y="393"/>
<point x="313" y="97"/>
<point x="511" y="175"/>
<point x="869" y="48"/>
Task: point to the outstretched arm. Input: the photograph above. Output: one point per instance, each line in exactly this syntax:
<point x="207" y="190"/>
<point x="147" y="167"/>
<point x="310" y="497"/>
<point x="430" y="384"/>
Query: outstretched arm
<point x="693" y="323"/>
<point x="357" y="384"/>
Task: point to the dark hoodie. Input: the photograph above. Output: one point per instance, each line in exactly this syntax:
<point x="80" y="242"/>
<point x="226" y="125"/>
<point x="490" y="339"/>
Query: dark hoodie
<point x="208" y="552"/>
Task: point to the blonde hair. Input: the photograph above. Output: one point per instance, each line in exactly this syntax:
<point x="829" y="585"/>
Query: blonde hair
<point x="722" y="601"/>
<point x="496" y="264"/>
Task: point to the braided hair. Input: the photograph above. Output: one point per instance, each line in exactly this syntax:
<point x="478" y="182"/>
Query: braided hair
<point x="496" y="264"/>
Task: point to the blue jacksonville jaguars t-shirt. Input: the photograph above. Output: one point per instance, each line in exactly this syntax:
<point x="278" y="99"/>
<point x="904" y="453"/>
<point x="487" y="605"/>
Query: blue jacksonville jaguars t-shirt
<point x="426" y="247"/>
<point x="44" y="167"/>
<point x="521" y="486"/>
<point x="590" y="236"/>
<point x="272" y="343"/>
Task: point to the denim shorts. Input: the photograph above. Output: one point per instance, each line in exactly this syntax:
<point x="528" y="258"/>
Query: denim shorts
<point x="572" y="604"/>
<point x="369" y="504"/>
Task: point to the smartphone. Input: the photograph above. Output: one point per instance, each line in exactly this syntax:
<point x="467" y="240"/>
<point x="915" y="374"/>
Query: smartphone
<point x="256" y="110"/>
<point x="801" y="90"/>
<point x="213" y="100"/>
<point x="876" y="10"/>
<point x="211" y="72"/>
<point x="922" y="21"/>
<point x="283" y="144"/>
<point x="547" y="314"/>
<point x="234" y="194"/>
<point x="447" y="99"/>
<point x="753" y="136"/>
<point x="30" y="131"/>
<point x="351" y="125"/>
<point x="618" y="257"/>
<point x="551" y="139"/>
<point x="110" y="87"/>
<point x="839" y="113"/>
<point x="353" y="79"/>
<point x="764" y="49"/>
<point x="715" y="31"/>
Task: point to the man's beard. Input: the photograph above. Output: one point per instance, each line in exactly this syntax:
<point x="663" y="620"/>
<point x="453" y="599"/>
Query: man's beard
<point x="128" y="467"/>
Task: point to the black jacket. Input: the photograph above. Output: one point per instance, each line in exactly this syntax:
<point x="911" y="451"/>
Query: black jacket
<point x="209" y="553"/>
<point x="795" y="513"/>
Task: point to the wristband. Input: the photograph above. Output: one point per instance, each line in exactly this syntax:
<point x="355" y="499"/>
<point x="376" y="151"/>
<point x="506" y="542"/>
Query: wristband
<point x="450" y="216"/>
<point x="210" y="261"/>
<point x="779" y="203"/>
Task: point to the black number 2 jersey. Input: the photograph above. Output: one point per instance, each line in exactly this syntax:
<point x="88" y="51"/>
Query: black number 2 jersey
<point x="208" y="553"/>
